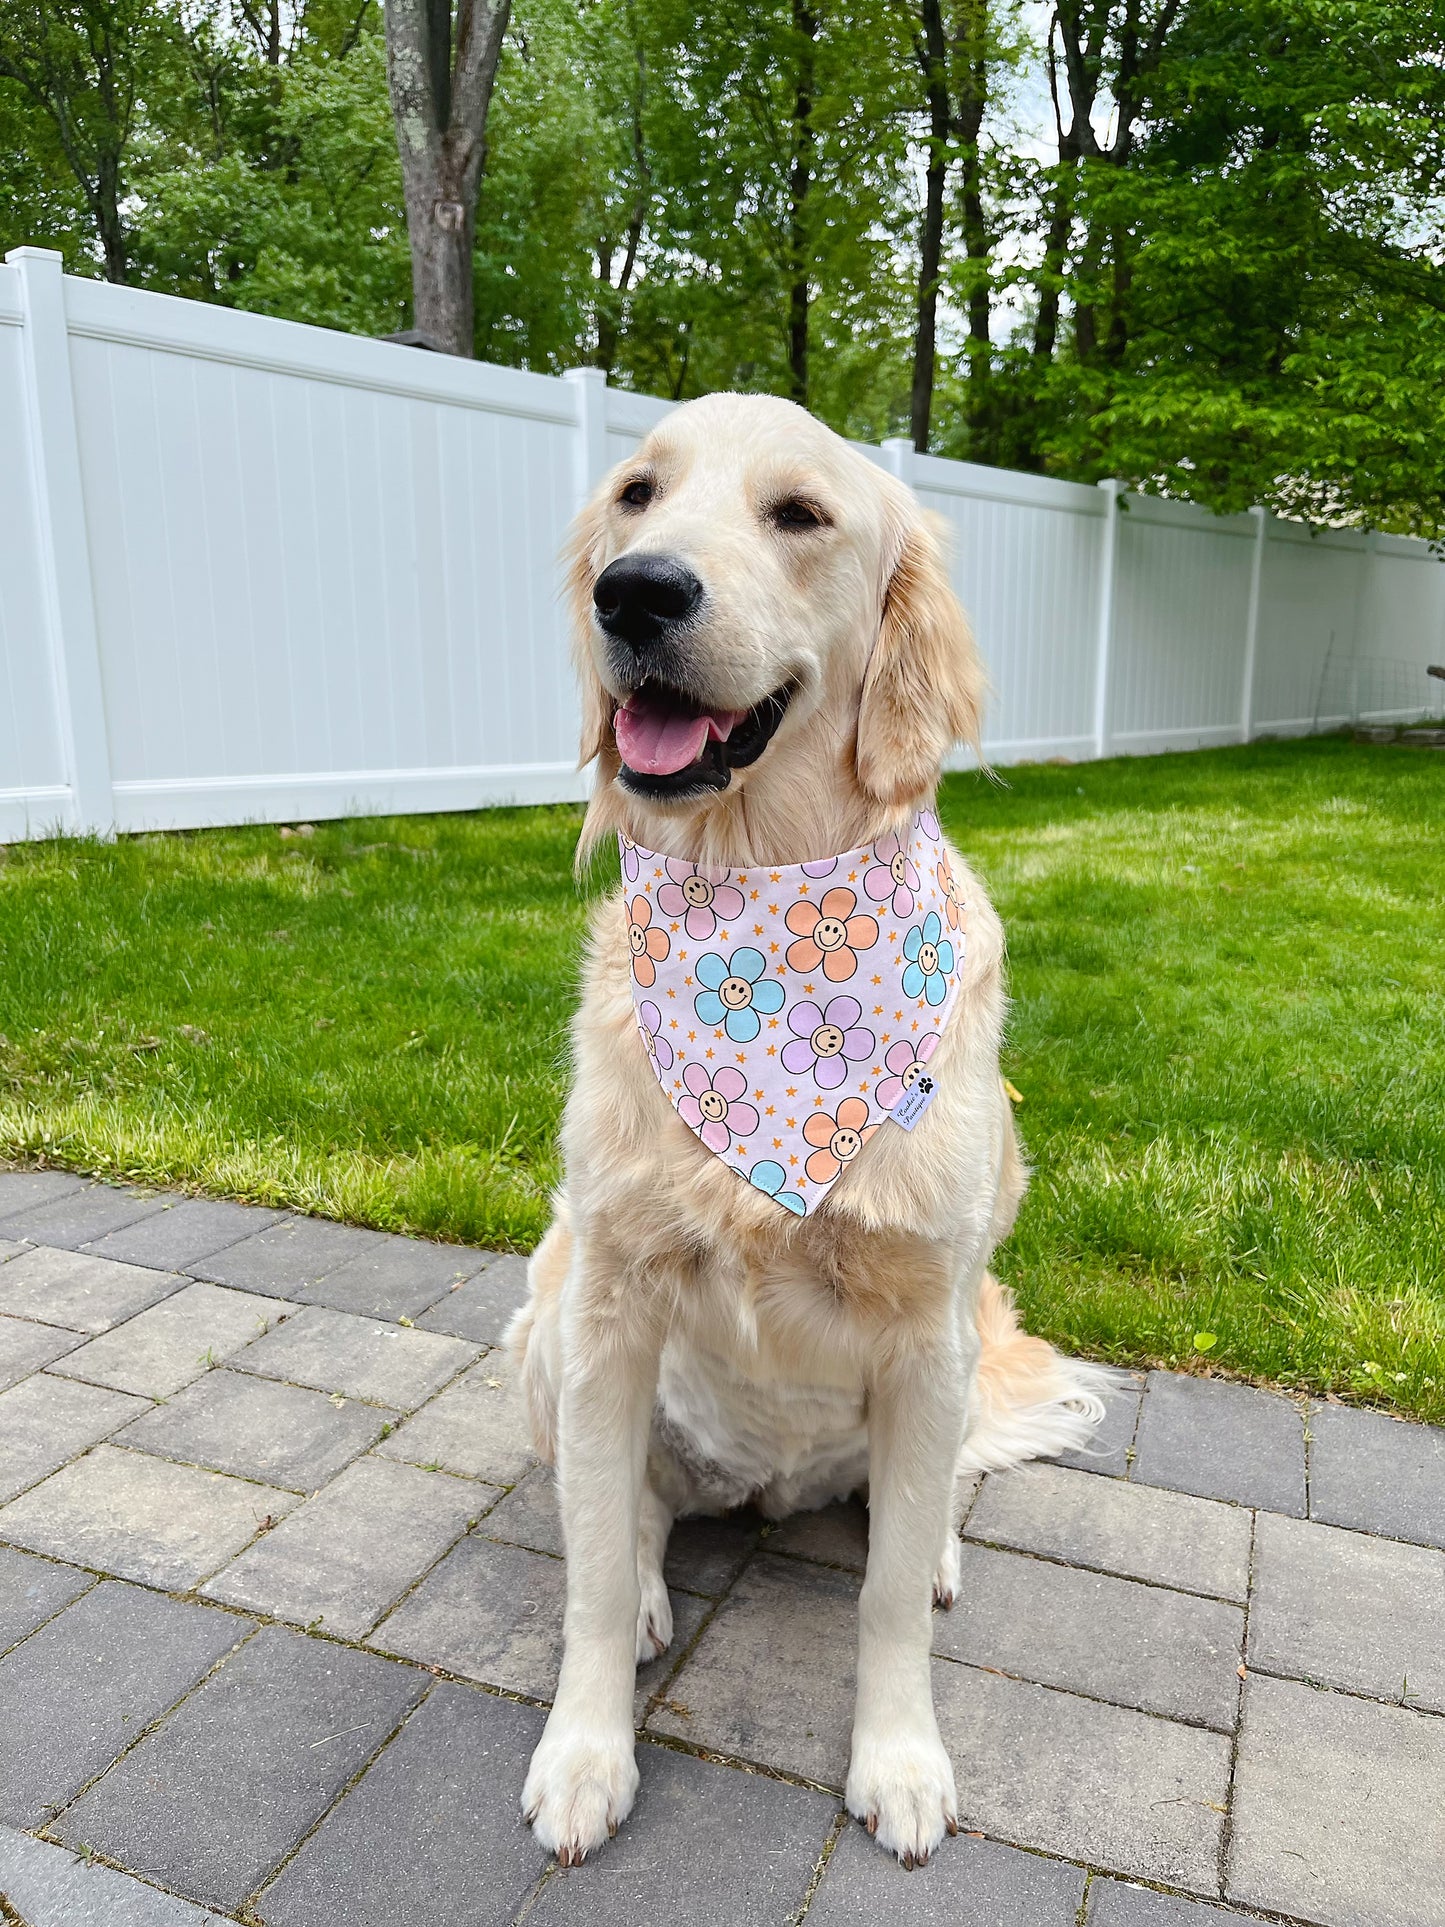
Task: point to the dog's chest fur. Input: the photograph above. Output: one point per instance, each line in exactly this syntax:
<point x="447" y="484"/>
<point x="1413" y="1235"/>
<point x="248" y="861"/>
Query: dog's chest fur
<point x="740" y="1422"/>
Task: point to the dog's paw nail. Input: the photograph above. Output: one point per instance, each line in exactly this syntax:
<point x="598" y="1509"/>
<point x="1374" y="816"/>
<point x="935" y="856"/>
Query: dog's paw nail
<point x="871" y="1823"/>
<point x="611" y="1829"/>
<point x="908" y="1862"/>
<point x="950" y="1820"/>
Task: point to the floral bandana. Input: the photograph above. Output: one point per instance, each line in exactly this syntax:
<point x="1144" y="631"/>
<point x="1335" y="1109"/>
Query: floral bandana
<point x="786" y="1010"/>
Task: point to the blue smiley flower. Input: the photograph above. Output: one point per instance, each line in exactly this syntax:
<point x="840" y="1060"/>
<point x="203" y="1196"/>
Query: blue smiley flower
<point x="930" y="960"/>
<point x="736" y="992"/>
<point x="770" y="1177"/>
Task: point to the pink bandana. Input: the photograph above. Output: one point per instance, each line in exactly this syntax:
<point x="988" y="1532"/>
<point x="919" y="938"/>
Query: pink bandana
<point x="788" y="1009"/>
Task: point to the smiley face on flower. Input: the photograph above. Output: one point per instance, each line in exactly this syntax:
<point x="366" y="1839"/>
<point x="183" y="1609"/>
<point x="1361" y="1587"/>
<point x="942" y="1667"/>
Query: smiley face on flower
<point x="648" y="944"/>
<point x="824" y="1041"/>
<point x="953" y="904"/>
<point x="893" y="878"/>
<point x="737" y="993"/>
<point x="649" y="1022"/>
<point x="713" y="1105"/>
<point x="829" y="934"/>
<point x="930" y="960"/>
<point x="839" y="1139"/>
<point x="699" y="898"/>
<point x="903" y="1065"/>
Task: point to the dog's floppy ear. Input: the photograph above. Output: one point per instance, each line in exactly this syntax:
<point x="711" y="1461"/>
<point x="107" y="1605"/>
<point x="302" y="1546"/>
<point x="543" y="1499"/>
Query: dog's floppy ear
<point x="582" y="560"/>
<point x="924" y="688"/>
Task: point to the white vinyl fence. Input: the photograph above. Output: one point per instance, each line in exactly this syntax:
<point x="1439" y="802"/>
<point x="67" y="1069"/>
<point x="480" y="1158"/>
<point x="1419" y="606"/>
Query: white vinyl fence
<point x="253" y="570"/>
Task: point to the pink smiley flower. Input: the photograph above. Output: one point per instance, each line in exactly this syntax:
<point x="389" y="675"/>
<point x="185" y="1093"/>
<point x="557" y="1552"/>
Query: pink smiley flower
<point x="904" y="1064"/>
<point x="694" y="895"/>
<point x="893" y="875"/>
<point x="712" y="1106"/>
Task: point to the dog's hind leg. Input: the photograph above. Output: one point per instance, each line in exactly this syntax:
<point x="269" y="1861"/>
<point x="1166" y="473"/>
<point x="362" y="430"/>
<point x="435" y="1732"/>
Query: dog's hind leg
<point x="654" y="1611"/>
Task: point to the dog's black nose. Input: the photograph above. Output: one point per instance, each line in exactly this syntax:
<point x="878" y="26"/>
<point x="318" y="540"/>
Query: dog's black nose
<point x="637" y="597"/>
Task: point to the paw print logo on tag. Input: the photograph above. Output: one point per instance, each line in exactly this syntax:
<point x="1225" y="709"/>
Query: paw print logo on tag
<point x="915" y="1101"/>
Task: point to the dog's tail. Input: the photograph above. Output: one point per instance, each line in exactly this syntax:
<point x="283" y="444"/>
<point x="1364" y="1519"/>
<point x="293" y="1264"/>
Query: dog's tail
<point x="1030" y="1401"/>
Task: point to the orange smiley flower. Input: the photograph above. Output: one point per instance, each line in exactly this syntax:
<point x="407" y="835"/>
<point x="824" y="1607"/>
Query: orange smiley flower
<point x="839" y="1139"/>
<point x="829" y="935"/>
<point x="648" y="944"/>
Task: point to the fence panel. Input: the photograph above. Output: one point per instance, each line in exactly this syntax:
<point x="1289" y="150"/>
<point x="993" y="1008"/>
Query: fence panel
<point x="254" y="570"/>
<point x="1180" y="626"/>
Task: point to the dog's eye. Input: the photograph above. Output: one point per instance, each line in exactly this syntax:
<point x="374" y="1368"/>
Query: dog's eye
<point x="636" y="495"/>
<point x="794" y="512"/>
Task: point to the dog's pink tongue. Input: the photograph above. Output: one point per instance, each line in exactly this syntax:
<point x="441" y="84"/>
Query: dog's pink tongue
<point x="658" y="742"/>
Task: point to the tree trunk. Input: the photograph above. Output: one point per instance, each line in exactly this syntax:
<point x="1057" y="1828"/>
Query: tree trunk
<point x="972" y="105"/>
<point x="799" y="183"/>
<point x="933" y="57"/>
<point x="440" y="95"/>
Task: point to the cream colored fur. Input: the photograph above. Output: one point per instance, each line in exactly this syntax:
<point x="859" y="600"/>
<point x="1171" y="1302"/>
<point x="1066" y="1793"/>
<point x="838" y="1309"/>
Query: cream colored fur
<point x="686" y="1345"/>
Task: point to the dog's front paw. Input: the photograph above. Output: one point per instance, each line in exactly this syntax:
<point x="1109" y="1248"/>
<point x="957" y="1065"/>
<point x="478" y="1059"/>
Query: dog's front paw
<point x="654" y="1618"/>
<point x="901" y="1788"/>
<point x="580" y="1788"/>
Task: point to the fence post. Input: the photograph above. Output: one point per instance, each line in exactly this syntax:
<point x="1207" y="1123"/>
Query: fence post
<point x="590" y="461"/>
<point x="1251" y="622"/>
<point x="1108" y="572"/>
<point x="898" y="457"/>
<point x="64" y="546"/>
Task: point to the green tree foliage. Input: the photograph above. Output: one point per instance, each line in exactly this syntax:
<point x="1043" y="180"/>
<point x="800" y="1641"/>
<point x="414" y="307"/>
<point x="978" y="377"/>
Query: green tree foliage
<point x="1192" y="243"/>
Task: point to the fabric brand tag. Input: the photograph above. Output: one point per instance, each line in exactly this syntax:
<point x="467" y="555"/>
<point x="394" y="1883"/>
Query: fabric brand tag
<point x="915" y="1101"/>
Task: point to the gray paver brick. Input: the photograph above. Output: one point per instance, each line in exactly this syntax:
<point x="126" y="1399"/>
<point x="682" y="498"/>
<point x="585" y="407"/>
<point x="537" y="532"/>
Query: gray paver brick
<point x="188" y="1229"/>
<point x="393" y="1278"/>
<point x="438" y="1816"/>
<point x="331" y="1351"/>
<point x="285" y="1255"/>
<point x="83" y="1294"/>
<point x="146" y="1519"/>
<point x="21" y="1189"/>
<point x="10" y="1249"/>
<point x="705" y="1555"/>
<point x="76" y="1694"/>
<point x="836" y="1535"/>
<point x="482" y="1308"/>
<point x="1104" y="1784"/>
<point x="1363" y="1614"/>
<point x="347" y="1555"/>
<point x="977" y="1882"/>
<point x="1108" y="1451"/>
<point x="771" y="1679"/>
<point x="478" y="1426"/>
<point x="1375" y="1473"/>
<point x="31" y="1590"/>
<point x="489" y="1612"/>
<point x="1339" y="1809"/>
<point x="1137" y="1531"/>
<point x="50" y="1887"/>
<point x="1113" y="1904"/>
<point x="44" y="1421"/>
<point x="1163" y="1652"/>
<point x="705" y="1844"/>
<point x="157" y="1352"/>
<point x="259" y="1428"/>
<point x="494" y="1613"/>
<point x="26" y="1346"/>
<point x="211" y="1802"/>
<point x="1221" y="1441"/>
<point x="79" y="1216"/>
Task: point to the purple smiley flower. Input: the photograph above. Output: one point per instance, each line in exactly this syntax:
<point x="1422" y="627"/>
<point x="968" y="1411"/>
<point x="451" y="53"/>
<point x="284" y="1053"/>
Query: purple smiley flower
<point x="826" y="1041"/>
<point x="712" y="1106"/>
<point x="893" y="877"/>
<point x="649" y="1021"/>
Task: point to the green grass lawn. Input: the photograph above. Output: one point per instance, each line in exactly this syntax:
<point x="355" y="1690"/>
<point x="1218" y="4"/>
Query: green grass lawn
<point x="1228" y="1032"/>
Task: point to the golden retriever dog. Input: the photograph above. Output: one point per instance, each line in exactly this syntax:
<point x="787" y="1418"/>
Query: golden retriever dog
<point x="764" y="626"/>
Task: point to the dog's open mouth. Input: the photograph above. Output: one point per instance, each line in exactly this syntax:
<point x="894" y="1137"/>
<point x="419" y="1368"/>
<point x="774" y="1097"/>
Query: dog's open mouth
<point x="673" y="745"/>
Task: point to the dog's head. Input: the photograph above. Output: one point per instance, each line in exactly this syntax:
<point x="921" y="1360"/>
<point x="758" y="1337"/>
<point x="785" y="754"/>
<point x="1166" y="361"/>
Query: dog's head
<point x="764" y="630"/>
